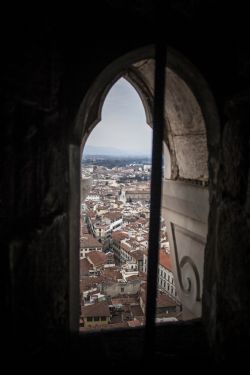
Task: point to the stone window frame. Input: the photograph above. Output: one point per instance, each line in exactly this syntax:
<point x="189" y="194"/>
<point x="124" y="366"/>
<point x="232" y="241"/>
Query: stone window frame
<point x="87" y="115"/>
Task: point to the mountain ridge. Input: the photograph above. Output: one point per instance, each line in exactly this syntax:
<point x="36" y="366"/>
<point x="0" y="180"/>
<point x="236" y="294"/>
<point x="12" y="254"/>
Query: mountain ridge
<point x="109" y="151"/>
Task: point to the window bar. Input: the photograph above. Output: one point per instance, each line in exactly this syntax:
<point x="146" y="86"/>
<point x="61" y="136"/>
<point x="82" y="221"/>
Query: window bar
<point x="155" y="191"/>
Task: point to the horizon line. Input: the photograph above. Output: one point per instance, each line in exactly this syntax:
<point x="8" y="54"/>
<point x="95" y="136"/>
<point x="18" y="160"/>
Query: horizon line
<point x="122" y="155"/>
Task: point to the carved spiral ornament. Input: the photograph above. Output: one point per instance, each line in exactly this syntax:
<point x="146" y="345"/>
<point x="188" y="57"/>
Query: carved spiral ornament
<point x="187" y="272"/>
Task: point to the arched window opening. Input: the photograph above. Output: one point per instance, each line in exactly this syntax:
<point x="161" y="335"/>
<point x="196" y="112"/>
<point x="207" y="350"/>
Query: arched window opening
<point x="115" y="209"/>
<point x="188" y="115"/>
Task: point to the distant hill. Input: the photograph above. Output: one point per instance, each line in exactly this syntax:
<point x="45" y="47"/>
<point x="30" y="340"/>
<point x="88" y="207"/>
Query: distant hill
<point x="109" y="151"/>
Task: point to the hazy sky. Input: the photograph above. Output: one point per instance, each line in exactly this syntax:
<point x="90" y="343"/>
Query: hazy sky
<point x="123" y="124"/>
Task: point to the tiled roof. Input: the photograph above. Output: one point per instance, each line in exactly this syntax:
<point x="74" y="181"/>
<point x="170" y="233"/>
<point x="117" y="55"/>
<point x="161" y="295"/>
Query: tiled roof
<point x="97" y="309"/>
<point x="85" y="266"/>
<point x="134" y="277"/>
<point x="136" y="310"/>
<point x="164" y="260"/>
<point x="97" y="258"/>
<point x="137" y="254"/>
<point x="125" y="247"/>
<point x="164" y="301"/>
<point x="113" y="215"/>
<point x="111" y="274"/>
<point x="88" y="282"/>
<point x="88" y="241"/>
<point x="119" y="235"/>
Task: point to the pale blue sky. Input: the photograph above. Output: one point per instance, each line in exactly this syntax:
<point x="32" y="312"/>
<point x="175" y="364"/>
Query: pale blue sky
<point x="123" y="124"/>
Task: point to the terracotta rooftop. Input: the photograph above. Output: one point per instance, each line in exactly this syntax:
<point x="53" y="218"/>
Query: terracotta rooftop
<point x="97" y="309"/>
<point x="88" y="241"/>
<point x="97" y="258"/>
<point x="125" y="300"/>
<point x="164" y="301"/>
<point x="136" y="310"/>
<point x="164" y="260"/>
<point x="113" y="215"/>
<point x="111" y="274"/>
<point x="134" y="277"/>
<point x="137" y="254"/>
<point x="85" y="266"/>
<point x="125" y="247"/>
<point x="118" y="235"/>
<point x="88" y="282"/>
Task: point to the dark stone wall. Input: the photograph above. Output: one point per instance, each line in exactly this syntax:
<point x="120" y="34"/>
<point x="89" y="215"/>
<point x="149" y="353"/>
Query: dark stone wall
<point x="34" y="179"/>
<point x="226" y="298"/>
<point x="49" y="60"/>
<point x="48" y="63"/>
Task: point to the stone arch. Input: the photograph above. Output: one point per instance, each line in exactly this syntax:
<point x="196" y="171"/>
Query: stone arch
<point x="190" y="112"/>
<point x="191" y="128"/>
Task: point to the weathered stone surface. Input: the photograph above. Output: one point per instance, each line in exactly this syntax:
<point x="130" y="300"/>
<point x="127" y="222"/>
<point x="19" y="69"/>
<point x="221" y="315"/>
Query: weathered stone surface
<point x="185" y="127"/>
<point x="226" y="302"/>
<point x="182" y="108"/>
<point x="191" y="155"/>
<point x="39" y="274"/>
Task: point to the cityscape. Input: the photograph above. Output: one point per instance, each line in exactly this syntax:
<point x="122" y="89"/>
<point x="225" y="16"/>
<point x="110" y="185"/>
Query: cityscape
<point x="114" y="229"/>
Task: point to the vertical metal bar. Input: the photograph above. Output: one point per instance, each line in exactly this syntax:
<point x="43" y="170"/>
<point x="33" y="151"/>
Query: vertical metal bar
<point x="155" y="209"/>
